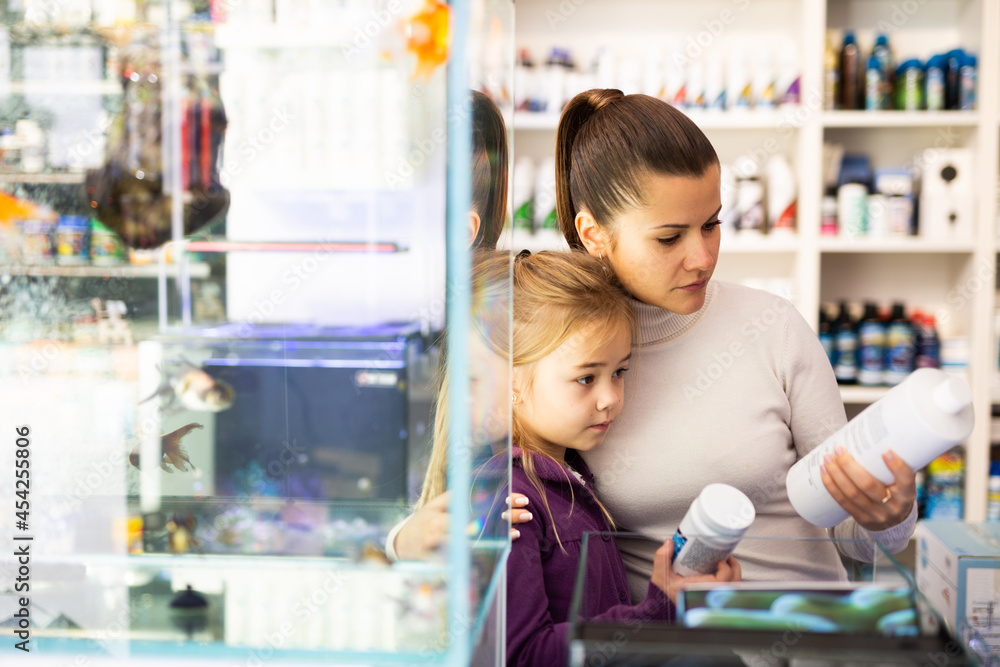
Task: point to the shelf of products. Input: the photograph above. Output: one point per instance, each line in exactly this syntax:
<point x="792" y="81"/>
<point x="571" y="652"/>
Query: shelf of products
<point x="922" y="262"/>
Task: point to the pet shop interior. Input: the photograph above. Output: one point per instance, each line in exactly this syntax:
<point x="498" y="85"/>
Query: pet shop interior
<point x="235" y="236"/>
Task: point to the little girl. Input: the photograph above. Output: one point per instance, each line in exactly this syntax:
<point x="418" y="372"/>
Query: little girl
<point x="573" y="333"/>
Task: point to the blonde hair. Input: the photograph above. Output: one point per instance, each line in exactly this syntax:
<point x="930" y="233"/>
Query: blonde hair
<point x="554" y="295"/>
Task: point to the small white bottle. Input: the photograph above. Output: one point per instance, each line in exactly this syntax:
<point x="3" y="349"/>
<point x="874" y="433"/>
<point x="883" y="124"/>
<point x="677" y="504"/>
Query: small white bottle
<point x="711" y="529"/>
<point x="922" y="417"/>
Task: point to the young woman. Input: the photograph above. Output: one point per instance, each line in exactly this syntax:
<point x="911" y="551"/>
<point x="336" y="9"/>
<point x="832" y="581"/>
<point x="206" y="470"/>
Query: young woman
<point x="735" y="386"/>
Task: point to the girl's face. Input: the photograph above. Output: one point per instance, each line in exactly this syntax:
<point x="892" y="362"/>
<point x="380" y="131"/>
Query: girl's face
<point x="574" y="393"/>
<point x="665" y="251"/>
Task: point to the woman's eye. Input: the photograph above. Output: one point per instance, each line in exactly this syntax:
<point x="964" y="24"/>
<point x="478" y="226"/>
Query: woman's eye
<point x="586" y="379"/>
<point x="670" y="240"/>
<point x="620" y="372"/>
<point x="711" y="226"/>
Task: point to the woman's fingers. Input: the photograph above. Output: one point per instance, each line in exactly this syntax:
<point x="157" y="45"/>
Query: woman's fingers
<point x="875" y="505"/>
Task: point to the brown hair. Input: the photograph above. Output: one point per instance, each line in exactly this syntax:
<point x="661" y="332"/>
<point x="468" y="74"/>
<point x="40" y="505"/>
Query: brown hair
<point x="489" y="170"/>
<point x="554" y="296"/>
<point x="608" y="143"/>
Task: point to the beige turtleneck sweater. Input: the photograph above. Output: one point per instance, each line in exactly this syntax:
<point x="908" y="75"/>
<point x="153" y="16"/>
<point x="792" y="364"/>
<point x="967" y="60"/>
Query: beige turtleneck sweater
<point x="736" y="393"/>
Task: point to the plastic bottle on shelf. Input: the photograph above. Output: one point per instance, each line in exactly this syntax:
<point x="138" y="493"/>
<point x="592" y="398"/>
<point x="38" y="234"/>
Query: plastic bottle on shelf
<point x="545" y="195"/>
<point x="781" y="200"/>
<point x="715" y="82"/>
<point x="524" y="82"/>
<point x="750" y="199"/>
<point x="522" y="194"/>
<point x="910" y="85"/>
<point x="554" y="92"/>
<point x="826" y="336"/>
<point x="993" y="493"/>
<point x="828" y="213"/>
<point x="739" y="87"/>
<point x="845" y="336"/>
<point x="788" y="85"/>
<point x="899" y="347"/>
<point x="831" y="77"/>
<point x="934" y="84"/>
<point x="928" y="343"/>
<point x="729" y="191"/>
<point x="850" y="64"/>
<point x="944" y="482"/>
<point x="918" y="420"/>
<point x="852" y="209"/>
<point x="711" y="529"/>
<point x="874" y="84"/>
<point x="871" y="346"/>
<point x="763" y="79"/>
<point x="953" y="61"/>
<point x="883" y="53"/>
<point x="967" y="84"/>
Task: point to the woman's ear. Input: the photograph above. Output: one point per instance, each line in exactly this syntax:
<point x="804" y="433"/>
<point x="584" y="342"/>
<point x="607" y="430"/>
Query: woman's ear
<point x="474" y="223"/>
<point x="594" y="239"/>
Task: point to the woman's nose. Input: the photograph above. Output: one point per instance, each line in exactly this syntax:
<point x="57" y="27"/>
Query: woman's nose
<point x="699" y="255"/>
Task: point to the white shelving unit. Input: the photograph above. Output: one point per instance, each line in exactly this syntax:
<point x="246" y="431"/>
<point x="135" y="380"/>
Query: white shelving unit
<point x="953" y="278"/>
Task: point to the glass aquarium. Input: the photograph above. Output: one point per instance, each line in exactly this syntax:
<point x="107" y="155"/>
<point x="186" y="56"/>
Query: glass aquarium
<point x="869" y="614"/>
<point x="235" y="238"/>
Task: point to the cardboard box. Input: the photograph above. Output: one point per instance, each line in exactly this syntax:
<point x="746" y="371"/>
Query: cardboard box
<point x="958" y="570"/>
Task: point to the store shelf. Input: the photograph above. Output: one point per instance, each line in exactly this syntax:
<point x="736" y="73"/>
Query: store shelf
<point x="913" y="244"/>
<point x="68" y="87"/>
<point x="69" y="178"/>
<point x="707" y="120"/>
<point x="544" y="239"/>
<point x="773" y="243"/>
<point x="859" y="395"/>
<point x="271" y="36"/>
<point x="900" y="119"/>
<point x="195" y="269"/>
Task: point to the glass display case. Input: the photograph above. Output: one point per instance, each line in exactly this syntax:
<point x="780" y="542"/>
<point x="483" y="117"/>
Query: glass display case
<point x="234" y="237"/>
<point x="872" y="614"/>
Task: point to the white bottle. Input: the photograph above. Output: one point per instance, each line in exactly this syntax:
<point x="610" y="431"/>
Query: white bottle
<point x="750" y="198"/>
<point x="919" y="419"/>
<point x="545" y="195"/>
<point x="711" y="529"/>
<point x="522" y="194"/>
<point x="780" y="195"/>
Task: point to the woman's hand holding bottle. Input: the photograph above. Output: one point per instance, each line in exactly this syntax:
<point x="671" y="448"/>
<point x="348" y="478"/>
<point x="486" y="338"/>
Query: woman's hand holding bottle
<point x="874" y="505"/>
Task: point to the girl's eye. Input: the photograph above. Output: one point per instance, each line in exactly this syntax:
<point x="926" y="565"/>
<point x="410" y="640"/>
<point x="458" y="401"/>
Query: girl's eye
<point x="620" y="372"/>
<point x="670" y="240"/>
<point x="586" y="379"/>
<point x="710" y="227"/>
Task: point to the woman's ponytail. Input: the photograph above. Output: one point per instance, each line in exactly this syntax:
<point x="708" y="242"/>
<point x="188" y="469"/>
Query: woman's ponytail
<point x="577" y="112"/>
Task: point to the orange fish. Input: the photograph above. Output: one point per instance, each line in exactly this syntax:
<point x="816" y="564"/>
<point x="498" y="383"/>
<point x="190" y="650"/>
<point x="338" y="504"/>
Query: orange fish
<point x="428" y="37"/>
<point x="12" y="208"/>
<point x="173" y="452"/>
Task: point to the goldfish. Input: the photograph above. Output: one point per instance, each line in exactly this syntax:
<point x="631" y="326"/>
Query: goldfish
<point x="195" y="389"/>
<point x="428" y="37"/>
<point x="173" y="453"/>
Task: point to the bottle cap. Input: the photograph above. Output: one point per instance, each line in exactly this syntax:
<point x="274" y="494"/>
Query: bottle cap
<point x="726" y="508"/>
<point x="953" y="395"/>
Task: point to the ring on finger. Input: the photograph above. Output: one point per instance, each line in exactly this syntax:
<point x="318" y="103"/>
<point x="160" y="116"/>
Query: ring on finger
<point x="888" y="495"/>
